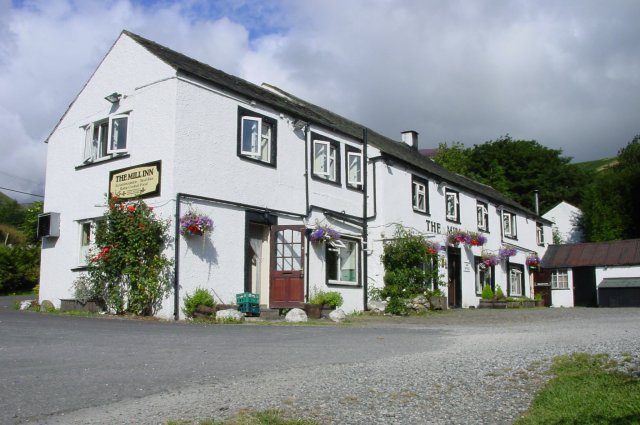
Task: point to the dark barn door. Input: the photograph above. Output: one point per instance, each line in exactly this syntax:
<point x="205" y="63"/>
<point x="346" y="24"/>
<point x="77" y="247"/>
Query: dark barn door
<point x="584" y="287"/>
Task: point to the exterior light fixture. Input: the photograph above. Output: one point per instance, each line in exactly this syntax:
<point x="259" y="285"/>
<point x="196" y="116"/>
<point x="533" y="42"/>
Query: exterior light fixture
<point x="299" y="124"/>
<point x="114" y="97"/>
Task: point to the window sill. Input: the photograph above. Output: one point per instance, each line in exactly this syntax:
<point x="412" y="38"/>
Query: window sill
<point x="560" y="289"/>
<point x="79" y="268"/>
<point x="456" y="221"/>
<point x="257" y="161"/>
<point x="344" y="284"/>
<point x="327" y="181"/>
<point x="103" y="160"/>
<point x="417" y="211"/>
<point x="513" y="238"/>
<point x="354" y="187"/>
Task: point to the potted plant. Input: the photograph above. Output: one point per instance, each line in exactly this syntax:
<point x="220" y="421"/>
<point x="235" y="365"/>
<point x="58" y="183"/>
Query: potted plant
<point x="321" y="234"/>
<point x="328" y="301"/>
<point x="533" y="262"/>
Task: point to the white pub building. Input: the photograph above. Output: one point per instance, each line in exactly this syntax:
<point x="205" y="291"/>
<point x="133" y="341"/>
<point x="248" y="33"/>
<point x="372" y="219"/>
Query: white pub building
<point x="268" y="168"/>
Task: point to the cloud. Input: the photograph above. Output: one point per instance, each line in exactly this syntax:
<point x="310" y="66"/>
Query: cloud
<point x="565" y="73"/>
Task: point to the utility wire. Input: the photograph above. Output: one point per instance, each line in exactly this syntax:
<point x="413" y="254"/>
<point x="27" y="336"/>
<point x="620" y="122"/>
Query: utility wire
<point x="24" y="193"/>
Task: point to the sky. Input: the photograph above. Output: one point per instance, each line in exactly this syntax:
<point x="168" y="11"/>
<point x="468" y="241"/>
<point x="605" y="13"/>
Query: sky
<point x="565" y="73"/>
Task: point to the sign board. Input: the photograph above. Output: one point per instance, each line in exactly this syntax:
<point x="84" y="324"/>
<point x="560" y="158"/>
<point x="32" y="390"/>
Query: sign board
<point x="139" y="181"/>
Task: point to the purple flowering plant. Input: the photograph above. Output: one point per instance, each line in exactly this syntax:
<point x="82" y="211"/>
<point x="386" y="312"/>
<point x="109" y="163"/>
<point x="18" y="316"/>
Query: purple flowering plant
<point x="194" y="223"/>
<point x="506" y="252"/>
<point x="324" y="234"/>
<point x="533" y="261"/>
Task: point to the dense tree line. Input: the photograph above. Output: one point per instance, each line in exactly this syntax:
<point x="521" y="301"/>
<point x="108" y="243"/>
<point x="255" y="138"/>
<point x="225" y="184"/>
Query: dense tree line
<point x="609" y="199"/>
<point x="19" y="246"/>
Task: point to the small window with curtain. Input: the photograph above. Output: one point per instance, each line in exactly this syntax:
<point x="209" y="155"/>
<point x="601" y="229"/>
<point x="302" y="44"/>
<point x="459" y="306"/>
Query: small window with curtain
<point x="325" y="161"/>
<point x="452" y="199"/>
<point x="482" y="211"/>
<point x="509" y="225"/>
<point x="420" y="195"/>
<point x="256" y="137"/>
<point x="106" y="138"/>
<point x="342" y="262"/>
<point x="354" y="168"/>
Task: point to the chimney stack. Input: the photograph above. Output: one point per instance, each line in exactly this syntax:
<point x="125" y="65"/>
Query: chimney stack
<point x="410" y="137"/>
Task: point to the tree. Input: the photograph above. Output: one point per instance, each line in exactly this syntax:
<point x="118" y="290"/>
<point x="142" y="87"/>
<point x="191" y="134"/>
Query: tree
<point x="611" y="207"/>
<point x="29" y="225"/>
<point x="10" y="211"/>
<point x="517" y="168"/>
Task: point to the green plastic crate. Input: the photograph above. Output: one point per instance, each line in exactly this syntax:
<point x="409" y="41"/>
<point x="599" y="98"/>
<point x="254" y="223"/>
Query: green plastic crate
<point x="247" y="298"/>
<point x="250" y="308"/>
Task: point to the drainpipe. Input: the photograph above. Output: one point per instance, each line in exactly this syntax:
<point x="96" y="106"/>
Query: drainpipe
<point x="365" y="230"/>
<point x="536" y="201"/>
<point x="176" y="261"/>
<point x="307" y="141"/>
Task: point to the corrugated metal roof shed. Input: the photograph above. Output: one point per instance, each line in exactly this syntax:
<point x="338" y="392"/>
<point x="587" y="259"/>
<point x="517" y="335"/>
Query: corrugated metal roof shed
<point x="620" y="282"/>
<point x="611" y="253"/>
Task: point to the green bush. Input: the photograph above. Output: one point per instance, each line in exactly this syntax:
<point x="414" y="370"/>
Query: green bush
<point x="487" y="293"/>
<point x="499" y="293"/>
<point x="411" y="269"/>
<point x="331" y="298"/>
<point x="19" y="268"/>
<point x="200" y="296"/>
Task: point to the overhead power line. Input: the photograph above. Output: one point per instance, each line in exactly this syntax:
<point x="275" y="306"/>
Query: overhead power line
<point x="24" y="193"/>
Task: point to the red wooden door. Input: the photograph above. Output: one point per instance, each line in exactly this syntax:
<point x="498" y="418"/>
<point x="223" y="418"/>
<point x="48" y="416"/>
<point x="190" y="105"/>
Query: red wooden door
<point x="287" y="271"/>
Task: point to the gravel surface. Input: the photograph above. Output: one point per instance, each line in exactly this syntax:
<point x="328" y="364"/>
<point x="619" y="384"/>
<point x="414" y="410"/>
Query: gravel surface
<point x="487" y="374"/>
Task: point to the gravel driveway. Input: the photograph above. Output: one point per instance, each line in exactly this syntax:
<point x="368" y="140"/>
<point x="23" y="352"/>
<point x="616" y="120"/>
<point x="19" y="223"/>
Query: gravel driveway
<point x="486" y="373"/>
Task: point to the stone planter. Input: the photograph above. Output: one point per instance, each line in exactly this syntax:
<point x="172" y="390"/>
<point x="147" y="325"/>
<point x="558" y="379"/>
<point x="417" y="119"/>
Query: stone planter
<point x="439" y="303"/>
<point x="75" y="305"/>
<point x="492" y="304"/>
<point x="539" y="303"/>
<point x="326" y="310"/>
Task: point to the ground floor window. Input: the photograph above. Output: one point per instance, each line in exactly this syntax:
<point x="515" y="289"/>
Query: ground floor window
<point x="342" y="262"/>
<point x="484" y="275"/>
<point x="560" y="279"/>
<point x="88" y="230"/>
<point x="516" y="281"/>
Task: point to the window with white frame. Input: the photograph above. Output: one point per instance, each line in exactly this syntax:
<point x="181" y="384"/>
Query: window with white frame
<point x="354" y="169"/>
<point x="256" y="137"/>
<point x="515" y="281"/>
<point x="560" y="279"/>
<point x="88" y="230"/>
<point x="482" y="211"/>
<point x="484" y="275"/>
<point x="509" y="227"/>
<point x="420" y="195"/>
<point x="106" y="137"/>
<point x="452" y="199"/>
<point x="342" y="264"/>
<point x="539" y="233"/>
<point x="326" y="160"/>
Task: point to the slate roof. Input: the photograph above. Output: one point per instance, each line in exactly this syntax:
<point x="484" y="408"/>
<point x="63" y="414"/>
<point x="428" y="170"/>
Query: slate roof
<point x="598" y="254"/>
<point x="620" y="282"/>
<point x="298" y="108"/>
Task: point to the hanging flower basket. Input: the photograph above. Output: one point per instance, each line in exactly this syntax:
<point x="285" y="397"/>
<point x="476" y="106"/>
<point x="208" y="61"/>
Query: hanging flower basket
<point x="321" y="234"/>
<point x="457" y="237"/>
<point x="533" y="262"/>
<point x="476" y="239"/>
<point x="195" y="224"/>
<point x="489" y="259"/>
<point x="432" y="248"/>
<point x="506" y="252"/>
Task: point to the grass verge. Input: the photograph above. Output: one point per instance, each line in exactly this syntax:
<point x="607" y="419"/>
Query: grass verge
<point x="265" y="417"/>
<point x="586" y="389"/>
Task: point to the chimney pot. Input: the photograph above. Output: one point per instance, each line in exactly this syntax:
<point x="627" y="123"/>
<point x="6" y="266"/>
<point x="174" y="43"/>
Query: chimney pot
<point x="410" y="137"/>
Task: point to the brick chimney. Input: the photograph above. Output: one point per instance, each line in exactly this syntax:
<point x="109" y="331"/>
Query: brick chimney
<point x="410" y="137"/>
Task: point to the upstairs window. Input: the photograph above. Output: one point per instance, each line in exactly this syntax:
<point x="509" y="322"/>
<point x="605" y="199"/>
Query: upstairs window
<point x="509" y="226"/>
<point x="342" y="262"/>
<point x="539" y="234"/>
<point x="452" y="199"/>
<point x="420" y="195"/>
<point x="326" y="160"/>
<point x="354" y="169"/>
<point x="483" y="216"/>
<point x="105" y="138"/>
<point x="256" y="137"/>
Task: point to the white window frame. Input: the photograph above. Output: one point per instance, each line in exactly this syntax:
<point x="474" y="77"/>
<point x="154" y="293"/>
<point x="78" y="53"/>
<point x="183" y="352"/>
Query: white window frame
<point x="518" y="275"/>
<point x="560" y="279"/>
<point x="480" y="269"/>
<point x="419" y="189"/>
<point x="454" y="196"/>
<point x="354" y="159"/>
<point x="509" y="224"/>
<point x="110" y="149"/>
<point x="324" y="167"/>
<point x="254" y="152"/>
<point x="338" y="246"/>
<point x="540" y="233"/>
<point x="87" y="242"/>
<point x="482" y="213"/>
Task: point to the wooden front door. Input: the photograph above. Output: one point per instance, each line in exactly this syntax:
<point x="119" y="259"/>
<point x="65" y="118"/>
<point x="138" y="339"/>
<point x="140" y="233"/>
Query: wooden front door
<point x="287" y="271"/>
<point x="455" y="277"/>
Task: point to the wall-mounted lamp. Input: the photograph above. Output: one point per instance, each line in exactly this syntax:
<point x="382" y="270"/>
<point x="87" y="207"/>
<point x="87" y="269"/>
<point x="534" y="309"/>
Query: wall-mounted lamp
<point x="299" y="124"/>
<point x="113" y="97"/>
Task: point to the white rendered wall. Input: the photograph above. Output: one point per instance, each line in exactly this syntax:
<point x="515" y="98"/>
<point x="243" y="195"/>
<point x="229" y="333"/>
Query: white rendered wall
<point x="616" y="271"/>
<point x="80" y="194"/>
<point x="565" y="218"/>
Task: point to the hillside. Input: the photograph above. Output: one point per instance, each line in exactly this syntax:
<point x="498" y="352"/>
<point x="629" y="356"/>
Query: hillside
<point x="597" y="165"/>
